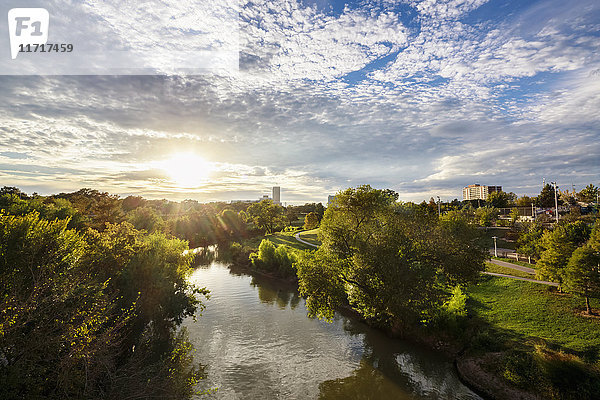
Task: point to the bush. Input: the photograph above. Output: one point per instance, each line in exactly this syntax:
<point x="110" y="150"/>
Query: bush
<point x="273" y="258"/>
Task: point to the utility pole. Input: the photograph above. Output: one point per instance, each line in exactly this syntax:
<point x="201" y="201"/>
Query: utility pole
<point x="555" y="201"/>
<point x="532" y="212"/>
<point x="439" y="207"/>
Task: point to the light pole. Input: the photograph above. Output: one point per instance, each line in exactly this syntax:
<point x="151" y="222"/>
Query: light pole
<point x="555" y="201"/>
<point x="439" y="207"/>
<point x="495" y="248"/>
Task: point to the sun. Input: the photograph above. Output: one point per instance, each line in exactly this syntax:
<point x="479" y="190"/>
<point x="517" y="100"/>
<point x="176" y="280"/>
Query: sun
<point x="187" y="170"/>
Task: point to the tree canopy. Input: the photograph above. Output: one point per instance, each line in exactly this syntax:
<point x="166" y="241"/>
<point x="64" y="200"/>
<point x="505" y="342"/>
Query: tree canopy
<point x="311" y="221"/>
<point x="558" y="245"/>
<point x="394" y="264"/>
<point x="266" y="215"/>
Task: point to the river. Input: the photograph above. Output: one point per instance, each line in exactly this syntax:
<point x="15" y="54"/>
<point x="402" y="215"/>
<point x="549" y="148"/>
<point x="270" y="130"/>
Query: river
<point x="258" y="343"/>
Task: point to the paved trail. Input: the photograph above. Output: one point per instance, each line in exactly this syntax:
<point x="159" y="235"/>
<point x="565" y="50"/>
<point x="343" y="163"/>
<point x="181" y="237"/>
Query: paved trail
<point x="521" y="279"/>
<point x="297" y="236"/>
<point x="513" y="266"/>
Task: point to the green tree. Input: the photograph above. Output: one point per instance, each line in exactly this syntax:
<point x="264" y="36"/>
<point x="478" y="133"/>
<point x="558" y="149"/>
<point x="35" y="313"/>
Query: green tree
<point x="529" y="242"/>
<point x="582" y="274"/>
<point x="94" y="315"/>
<point x="558" y="245"/>
<point x="395" y="265"/>
<point x="266" y="216"/>
<point x="501" y="199"/>
<point x="486" y="216"/>
<point x="145" y="218"/>
<point x="514" y="216"/>
<point x="588" y="194"/>
<point x="525" y="201"/>
<point x="311" y="221"/>
<point x="546" y="197"/>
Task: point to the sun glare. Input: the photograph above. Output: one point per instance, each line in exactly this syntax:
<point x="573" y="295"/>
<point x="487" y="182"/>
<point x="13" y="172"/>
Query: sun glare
<point x="187" y="169"/>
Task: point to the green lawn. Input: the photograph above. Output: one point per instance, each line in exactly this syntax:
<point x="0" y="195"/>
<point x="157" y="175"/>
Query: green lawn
<point x="278" y="238"/>
<point x="311" y="236"/>
<point x="508" y="271"/>
<point x="523" y="310"/>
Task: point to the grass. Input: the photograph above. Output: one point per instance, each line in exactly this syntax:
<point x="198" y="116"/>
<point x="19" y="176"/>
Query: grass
<point x="278" y="238"/>
<point x="311" y="236"/>
<point x="525" y="310"/>
<point x="489" y="267"/>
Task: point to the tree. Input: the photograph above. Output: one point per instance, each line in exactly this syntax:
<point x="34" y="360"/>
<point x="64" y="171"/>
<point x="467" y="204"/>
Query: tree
<point x="311" y="221"/>
<point x="582" y="274"/>
<point x="92" y="315"/>
<point x="266" y="216"/>
<point x="501" y="199"/>
<point x="145" y="218"/>
<point x="486" y="216"/>
<point x="546" y="197"/>
<point x="588" y="194"/>
<point x="558" y="246"/>
<point x="394" y="264"/>
<point x="529" y="243"/>
<point x="525" y="201"/>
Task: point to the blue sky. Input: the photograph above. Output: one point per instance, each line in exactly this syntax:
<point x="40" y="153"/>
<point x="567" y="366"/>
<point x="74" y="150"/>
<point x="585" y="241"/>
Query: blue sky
<point x="423" y="97"/>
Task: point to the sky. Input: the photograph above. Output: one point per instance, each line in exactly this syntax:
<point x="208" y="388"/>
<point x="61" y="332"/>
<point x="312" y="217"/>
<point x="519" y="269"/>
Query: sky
<point x="420" y="96"/>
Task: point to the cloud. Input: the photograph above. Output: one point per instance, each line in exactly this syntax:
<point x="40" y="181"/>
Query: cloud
<point x="423" y="98"/>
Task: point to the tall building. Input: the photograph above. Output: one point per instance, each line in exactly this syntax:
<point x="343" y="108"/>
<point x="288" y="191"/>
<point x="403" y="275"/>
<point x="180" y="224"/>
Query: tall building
<point x="276" y="195"/>
<point x="479" y="192"/>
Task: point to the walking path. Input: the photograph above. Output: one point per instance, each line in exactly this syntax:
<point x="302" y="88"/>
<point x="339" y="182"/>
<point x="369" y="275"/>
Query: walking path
<point x="513" y="266"/>
<point x="297" y="236"/>
<point x="521" y="279"/>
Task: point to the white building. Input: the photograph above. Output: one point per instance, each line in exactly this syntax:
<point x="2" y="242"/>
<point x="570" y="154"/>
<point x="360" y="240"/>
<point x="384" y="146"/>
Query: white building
<point x="276" y="195"/>
<point x="479" y="192"/>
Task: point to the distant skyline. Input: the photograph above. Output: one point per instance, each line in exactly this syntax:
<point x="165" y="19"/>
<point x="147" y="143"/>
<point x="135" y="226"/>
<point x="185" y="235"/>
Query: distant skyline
<point x="422" y="97"/>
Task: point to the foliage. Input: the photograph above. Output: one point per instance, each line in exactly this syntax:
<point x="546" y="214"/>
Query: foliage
<point x="559" y="244"/>
<point x="266" y="216"/>
<point x="77" y="311"/>
<point x="486" y="216"/>
<point x="271" y="258"/>
<point x="146" y="218"/>
<point x="588" y="194"/>
<point x="393" y="264"/>
<point x="501" y="199"/>
<point x="457" y="305"/>
<point x="582" y="275"/>
<point x="529" y="243"/>
<point x="525" y="201"/>
<point x="546" y="197"/>
<point x="311" y="221"/>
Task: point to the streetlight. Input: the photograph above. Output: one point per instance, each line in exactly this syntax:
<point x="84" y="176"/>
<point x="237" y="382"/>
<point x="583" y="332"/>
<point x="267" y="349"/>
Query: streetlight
<point x="495" y="248"/>
<point x="555" y="201"/>
<point x="439" y="207"/>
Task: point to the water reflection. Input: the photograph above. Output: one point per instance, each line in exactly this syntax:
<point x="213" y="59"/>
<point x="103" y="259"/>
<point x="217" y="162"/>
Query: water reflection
<point x="259" y="344"/>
